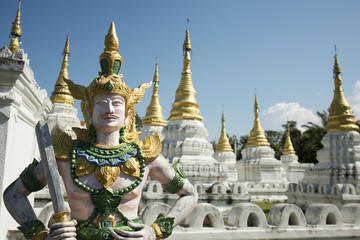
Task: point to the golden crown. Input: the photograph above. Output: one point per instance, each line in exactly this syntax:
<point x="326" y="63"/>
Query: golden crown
<point x="109" y="80"/>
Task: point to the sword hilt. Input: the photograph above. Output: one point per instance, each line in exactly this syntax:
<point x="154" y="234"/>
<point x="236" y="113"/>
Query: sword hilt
<point x="61" y="217"/>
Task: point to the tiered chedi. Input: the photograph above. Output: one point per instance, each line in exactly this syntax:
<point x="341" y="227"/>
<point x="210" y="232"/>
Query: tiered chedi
<point x="339" y="160"/>
<point x="259" y="163"/>
<point x="224" y="153"/>
<point x="63" y="113"/>
<point x="154" y="120"/>
<point x="185" y="136"/>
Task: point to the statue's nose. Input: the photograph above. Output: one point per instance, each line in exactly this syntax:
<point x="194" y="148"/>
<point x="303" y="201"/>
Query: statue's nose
<point x="109" y="107"/>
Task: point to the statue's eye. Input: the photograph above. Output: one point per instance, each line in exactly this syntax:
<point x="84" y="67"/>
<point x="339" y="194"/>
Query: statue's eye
<point x="101" y="102"/>
<point x="117" y="103"/>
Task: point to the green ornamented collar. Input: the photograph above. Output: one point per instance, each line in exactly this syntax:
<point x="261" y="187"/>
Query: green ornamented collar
<point x="106" y="156"/>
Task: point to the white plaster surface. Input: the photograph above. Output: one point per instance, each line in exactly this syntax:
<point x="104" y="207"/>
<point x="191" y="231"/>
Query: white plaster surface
<point x="185" y="142"/>
<point x="147" y="131"/>
<point x="22" y="104"/>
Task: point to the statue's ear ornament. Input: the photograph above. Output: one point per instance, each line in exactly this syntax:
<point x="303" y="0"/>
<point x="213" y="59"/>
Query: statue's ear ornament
<point x="138" y="93"/>
<point x="77" y="91"/>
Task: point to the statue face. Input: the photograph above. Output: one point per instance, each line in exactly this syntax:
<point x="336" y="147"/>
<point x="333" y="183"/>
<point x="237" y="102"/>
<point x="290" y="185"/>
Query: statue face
<point x="109" y="112"/>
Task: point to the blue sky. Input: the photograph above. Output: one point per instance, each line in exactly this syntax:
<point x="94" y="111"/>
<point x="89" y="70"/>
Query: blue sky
<point x="284" y="49"/>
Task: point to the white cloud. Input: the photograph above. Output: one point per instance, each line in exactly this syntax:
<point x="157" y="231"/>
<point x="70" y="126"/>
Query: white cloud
<point x="354" y="100"/>
<point x="275" y="116"/>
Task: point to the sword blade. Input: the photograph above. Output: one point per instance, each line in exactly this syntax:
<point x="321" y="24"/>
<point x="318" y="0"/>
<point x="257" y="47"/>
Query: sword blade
<point x="50" y="166"/>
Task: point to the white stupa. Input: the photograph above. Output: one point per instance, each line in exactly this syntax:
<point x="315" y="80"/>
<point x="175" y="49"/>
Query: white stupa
<point x="63" y="113"/>
<point x="259" y="163"/>
<point x="339" y="160"/>
<point x="185" y="136"/>
<point x="154" y="120"/>
<point x="225" y="154"/>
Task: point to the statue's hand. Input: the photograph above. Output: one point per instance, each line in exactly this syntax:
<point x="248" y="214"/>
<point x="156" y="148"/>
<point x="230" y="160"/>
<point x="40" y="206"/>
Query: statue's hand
<point x="62" y="230"/>
<point x="142" y="232"/>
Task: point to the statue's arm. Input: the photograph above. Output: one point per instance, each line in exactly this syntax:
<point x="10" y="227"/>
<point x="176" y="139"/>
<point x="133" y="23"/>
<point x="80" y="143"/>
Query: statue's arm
<point x="16" y="201"/>
<point x="162" y="171"/>
<point x="15" y="197"/>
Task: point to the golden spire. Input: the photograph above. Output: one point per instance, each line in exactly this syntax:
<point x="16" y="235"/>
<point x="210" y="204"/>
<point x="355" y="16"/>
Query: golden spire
<point x="61" y="93"/>
<point x="223" y="144"/>
<point x="185" y="106"/>
<point x="154" y="114"/>
<point x="16" y="32"/>
<point x="340" y="117"/>
<point x="288" y="147"/>
<point x="257" y="135"/>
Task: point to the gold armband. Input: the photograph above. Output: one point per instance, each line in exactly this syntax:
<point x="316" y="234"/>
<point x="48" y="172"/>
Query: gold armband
<point x="33" y="230"/>
<point x="163" y="227"/>
<point x="40" y="234"/>
<point x="158" y="233"/>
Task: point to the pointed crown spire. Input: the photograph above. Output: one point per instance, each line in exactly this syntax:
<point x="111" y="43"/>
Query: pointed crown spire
<point x="111" y="60"/>
<point x="185" y="105"/>
<point x="154" y="114"/>
<point x="288" y="147"/>
<point x="61" y="93"/>
<point x="223" y="144"/>
<point x="340" y="114"/>
<point x="16" y="32"/>
<point x="257" y="135"/>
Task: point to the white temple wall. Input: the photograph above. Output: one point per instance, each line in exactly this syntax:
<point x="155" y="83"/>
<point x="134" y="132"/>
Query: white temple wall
<point x="22" y="104"/>
<point x="247" y="221"/>
<point x="260" y="165"/>
<point x="228" y="159"/>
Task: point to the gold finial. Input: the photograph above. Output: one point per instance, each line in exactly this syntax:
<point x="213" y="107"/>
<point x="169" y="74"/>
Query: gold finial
<point x="111" y="60"/>
<point x="187" y="42"/>
<point x="340" y="114"/>
<point x="61" y="93"/>
<point x="185" y="106"/>
<point x="257" y="135"/>
<point x="16" y="32"/>
<point x="223" y="144"/>
<point x="154" y="114"/>
<point x="288" y="147"/>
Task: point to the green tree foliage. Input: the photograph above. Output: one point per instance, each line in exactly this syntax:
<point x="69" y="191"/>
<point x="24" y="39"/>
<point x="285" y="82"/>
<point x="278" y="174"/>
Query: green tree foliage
<point x="138" y="121"/>
<point x="310" y="140"/>
<point x="235" y="141"/>
<point x="274" y="139"/>
<point x="358" y="123"/>
<point x="213" y="143"/>
<point x="324" y="115"/>
<point x="242" y="144"/>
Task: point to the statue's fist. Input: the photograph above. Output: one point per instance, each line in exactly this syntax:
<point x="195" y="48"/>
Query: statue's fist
<point x="142" y="232"/>
<point x="62" y="230"/>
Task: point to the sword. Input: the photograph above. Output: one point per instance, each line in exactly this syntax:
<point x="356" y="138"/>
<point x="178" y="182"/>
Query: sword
<point x="51" y="171"/>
